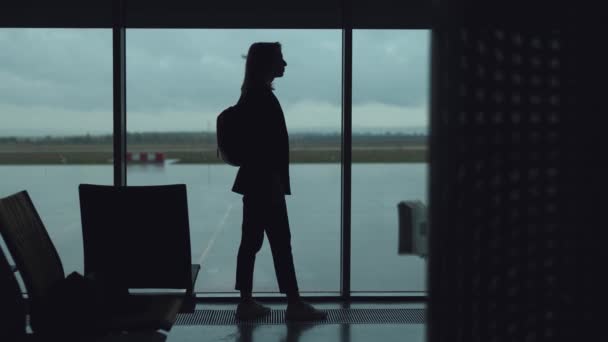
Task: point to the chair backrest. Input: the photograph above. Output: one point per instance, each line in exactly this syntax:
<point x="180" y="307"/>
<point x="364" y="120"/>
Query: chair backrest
<point x="137" y="236"/>
<point x="29" y="244"/>
<point x="12" y="310"/>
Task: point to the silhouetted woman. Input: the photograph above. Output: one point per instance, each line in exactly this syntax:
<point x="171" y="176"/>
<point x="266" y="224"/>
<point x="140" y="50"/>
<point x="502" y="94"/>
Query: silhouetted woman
<point x="263" y="180"/>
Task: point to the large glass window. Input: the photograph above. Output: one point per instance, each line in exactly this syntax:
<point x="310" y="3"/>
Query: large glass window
<point x="390" y="124"/>
<point x="56" y="114"/>
<point x="56" y="124"/>
<point x="178" y="81"/>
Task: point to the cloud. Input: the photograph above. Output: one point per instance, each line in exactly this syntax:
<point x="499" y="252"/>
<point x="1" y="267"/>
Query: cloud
<point x="176" y="77"/>
<point x="301" y="116"/>
<point x="58" y="68"/>
<point x="376" y="115"/>
<point x="313" y="115"/>
<point x="305" y="115"/>
<point x="36" y="120"/>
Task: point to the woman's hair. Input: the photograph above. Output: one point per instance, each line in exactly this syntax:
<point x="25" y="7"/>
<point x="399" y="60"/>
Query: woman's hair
<point x="260" y="58"/>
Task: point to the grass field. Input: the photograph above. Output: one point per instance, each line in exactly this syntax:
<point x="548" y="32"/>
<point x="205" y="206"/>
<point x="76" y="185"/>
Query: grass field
<point x="74" y="154"/>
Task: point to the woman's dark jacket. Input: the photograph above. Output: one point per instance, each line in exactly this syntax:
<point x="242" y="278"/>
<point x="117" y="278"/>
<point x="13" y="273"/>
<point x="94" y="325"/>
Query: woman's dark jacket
<point x="266" y="143"/>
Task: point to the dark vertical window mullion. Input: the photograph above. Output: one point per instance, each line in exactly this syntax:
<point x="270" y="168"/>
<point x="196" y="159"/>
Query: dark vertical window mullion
<point x="433" y="262"/>
<point x="347" y="45"/>
<point x="119" y="89"/>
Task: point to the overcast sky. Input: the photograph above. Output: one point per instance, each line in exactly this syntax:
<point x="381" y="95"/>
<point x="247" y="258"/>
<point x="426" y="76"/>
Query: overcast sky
<point x="59" y="81"/>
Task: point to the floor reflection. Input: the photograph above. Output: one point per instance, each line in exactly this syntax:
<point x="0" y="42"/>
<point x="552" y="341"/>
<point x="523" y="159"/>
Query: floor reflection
<point x="295" y="331"/>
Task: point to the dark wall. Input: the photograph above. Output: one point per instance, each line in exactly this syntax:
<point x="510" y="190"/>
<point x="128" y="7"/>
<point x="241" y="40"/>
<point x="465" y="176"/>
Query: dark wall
<point x="220" y="14"/>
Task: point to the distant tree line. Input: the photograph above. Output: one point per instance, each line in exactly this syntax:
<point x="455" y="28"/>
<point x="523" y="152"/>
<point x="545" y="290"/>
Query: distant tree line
<point x="207" y="138"/>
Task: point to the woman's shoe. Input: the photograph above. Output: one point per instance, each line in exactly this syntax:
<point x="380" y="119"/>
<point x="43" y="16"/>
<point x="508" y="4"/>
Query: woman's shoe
<point x="303" y="312"/>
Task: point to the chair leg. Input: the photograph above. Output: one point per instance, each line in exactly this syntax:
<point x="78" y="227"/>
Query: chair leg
<point x="189" y="302"/>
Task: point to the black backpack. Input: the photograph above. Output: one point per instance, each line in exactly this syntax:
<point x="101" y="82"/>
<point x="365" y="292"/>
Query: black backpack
<point x="230" y="132"/>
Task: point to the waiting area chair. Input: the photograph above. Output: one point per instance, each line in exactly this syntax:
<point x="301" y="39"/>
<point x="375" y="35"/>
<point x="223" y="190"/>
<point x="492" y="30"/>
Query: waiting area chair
<point x="139" y="236"/>
<point x="42" y="272"/>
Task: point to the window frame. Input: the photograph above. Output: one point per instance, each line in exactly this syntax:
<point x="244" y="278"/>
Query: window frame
<point x="341" y="18"/>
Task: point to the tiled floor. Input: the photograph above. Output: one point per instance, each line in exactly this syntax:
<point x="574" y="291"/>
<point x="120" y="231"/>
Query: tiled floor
<point x="302" y="332"/>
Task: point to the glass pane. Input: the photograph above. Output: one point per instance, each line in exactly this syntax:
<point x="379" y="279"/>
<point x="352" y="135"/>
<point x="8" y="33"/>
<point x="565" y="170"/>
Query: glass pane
<point x="178" y="81"/>
<point x="56" y="132"/>
<point x="390" y="124"/>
